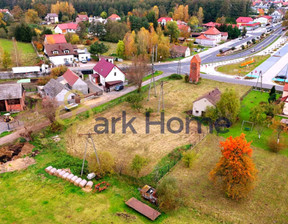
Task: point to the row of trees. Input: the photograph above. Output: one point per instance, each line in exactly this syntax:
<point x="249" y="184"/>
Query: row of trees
<point x="142" y="43"/>
<point x="212" y="9"/>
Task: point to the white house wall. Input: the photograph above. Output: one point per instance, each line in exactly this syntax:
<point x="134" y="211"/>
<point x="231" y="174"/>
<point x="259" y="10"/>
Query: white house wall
<point x="81" y="86"/>
<point x="63" y="95"/>
<point x="60" y="60"/>
<point x="201" y="106"/>
<point x="119" y="75"/>
<point x="57" y="30"/>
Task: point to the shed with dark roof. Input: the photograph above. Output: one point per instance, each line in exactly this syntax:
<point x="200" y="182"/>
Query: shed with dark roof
<point x="209" y="99"/>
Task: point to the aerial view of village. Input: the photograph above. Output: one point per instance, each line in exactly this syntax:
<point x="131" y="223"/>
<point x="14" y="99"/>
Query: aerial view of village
<point x="132" y="111"/>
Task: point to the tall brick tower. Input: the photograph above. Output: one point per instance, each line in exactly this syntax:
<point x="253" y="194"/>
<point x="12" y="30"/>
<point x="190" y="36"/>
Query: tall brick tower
<point x="195" y="69"/>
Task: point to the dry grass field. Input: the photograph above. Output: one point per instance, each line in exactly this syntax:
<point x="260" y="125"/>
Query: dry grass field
<point x="178" y="98"/>
<point x="267" y="203"/>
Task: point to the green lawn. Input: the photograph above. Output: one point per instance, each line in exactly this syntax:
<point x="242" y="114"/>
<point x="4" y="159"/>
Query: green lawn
<point x="250" y="101"/>
<point x="26" y="51"/>
<point x="234" y="69"/>
<point x="33" y="196"/>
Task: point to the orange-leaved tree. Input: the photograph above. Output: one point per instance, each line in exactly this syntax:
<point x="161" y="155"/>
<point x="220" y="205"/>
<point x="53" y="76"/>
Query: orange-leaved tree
<point x="235" y="171"/>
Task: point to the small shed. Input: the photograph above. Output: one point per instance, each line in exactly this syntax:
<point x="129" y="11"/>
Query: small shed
<point x="142" y="208"/>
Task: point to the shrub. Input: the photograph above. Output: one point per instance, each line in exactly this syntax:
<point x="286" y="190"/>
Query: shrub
<point x="168" y="194"/>
<point x="175" y="77"/>
<point x="138" y="163"/>
<point x="135" y="100"/>
<point x="221" y="51"/>
<point x="243" y="47"/>
<point x="149" y="110"/>
<point x="107" y="164"/>
<point x="274" y="146"/>
<point x="233" y="48"/>
<point x="58" y="71"/>
<point x="188" y="158"/>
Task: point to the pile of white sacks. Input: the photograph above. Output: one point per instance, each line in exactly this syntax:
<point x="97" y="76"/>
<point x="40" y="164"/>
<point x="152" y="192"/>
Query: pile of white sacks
<point x="77" y="181"/>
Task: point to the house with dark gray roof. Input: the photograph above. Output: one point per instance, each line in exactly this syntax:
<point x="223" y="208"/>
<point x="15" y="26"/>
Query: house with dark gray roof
<point x="58" y="91"/>
<point x="209" y="99"/>
<point x="12" y="97"/>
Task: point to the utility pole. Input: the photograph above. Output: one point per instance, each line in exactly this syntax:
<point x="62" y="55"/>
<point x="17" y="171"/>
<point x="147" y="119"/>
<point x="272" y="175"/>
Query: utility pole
<point x="89" y="136"/>
<point x="152" y="78"/>
<point x="161" y="97"/>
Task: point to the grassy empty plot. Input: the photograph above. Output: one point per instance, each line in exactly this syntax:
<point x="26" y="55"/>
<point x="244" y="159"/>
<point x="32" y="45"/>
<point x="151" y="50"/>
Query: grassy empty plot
<point x="178" y="98"/>
<point x="267" y="203"/>
<point x="33" y="196"/>
<point x="234" y="69"/>
<point x="111" y="48"/>
<point x="251" y="100"/>
<point x="26" y="52"/>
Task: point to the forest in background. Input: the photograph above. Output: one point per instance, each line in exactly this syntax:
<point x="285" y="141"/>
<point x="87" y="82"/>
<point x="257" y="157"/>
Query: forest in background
<point x="212" y="8"/>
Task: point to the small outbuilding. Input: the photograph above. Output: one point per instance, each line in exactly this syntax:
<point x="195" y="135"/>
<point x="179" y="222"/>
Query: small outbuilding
<point x="143" y="209"/>
<point x="210" y="99"/>
<point x="12" y="97"/>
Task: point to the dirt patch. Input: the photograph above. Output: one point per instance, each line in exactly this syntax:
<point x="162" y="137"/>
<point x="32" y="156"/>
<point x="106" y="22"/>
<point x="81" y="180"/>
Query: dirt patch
<point x="18" y="164"/>
<point x="126" y="216"/>
<point x="15" y="151"/>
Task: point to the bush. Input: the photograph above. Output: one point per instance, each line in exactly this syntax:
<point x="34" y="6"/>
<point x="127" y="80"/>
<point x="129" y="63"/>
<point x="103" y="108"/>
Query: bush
<point x="168" y="194"/>
<point x="273" y="146"/>
<point x="175" y="77"/>
<point x="221" y="51"/>
<point x="149" y="110"/>
<point x="243" y="47"/>
<point x="188" y="158"/>
<point x="135" y="100"/>
<point x="58" y="71"/>
<point x="138" y="163"/>
<point x="107" y="164"/>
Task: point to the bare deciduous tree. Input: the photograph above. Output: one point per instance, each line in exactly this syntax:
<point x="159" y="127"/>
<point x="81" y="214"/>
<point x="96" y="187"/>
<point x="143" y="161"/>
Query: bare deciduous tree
<point x="49" y="106"/>
<point x="137" y="71"/>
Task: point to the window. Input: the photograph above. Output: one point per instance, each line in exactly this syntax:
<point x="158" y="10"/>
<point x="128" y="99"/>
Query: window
<point x="55" y="52"/>
<point x="66" y="51"/>
<point x="197" y="111"/>
<point x="115" y="73"/>
<point x="13" y="101"/>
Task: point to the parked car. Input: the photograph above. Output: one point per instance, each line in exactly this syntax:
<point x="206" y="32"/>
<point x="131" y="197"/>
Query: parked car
<point x="253" y="50"/>
<point x="119" y="87"/>
<point x="84" y="61"/>
<point x="67" y="63"/>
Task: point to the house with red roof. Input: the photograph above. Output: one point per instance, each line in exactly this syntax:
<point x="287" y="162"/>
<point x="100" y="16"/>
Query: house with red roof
<point x="55" y="39"/>
<point x="242" y="20"/>
<point x="210" y="37"/>
<point x="262" y="20"/>
<point x="66" y="28"/>
<point x="213" y="33"/>
<point x="164" y="20"/>
<point x="250" y="26"/>
<point x="184" y="28"/>
<point x="74" y="82"/>
<point x="204" y="41"/>
<point x="5" y="11"/>
<point x="82" y="18"/>
<point x="107" y="74"/>
<point x="211" y="24"/>
<point x="114" y="17"/>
